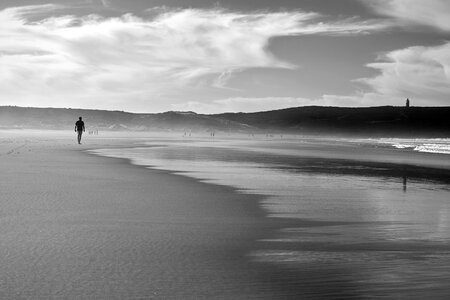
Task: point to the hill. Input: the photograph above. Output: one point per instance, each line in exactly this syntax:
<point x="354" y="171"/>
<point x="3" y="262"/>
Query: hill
<point x="64" y="118"/>
<point x="369" y="121"/>
<point x="380" y="121"/>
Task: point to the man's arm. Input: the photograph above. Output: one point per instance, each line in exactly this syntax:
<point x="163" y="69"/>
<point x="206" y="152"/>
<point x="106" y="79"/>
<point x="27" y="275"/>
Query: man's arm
<point x="75" y="127"/>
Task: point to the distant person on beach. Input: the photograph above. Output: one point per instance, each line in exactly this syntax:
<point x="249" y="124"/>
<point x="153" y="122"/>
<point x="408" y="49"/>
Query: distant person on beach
<point x="79" y="127"/>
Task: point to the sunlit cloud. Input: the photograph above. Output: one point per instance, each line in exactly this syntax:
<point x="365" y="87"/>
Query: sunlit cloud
<point x="420" y="72"/>
<point x="132" y="62"/>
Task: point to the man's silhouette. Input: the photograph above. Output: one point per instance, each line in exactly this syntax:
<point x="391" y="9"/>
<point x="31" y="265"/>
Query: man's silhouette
<point x="79" y="127"/>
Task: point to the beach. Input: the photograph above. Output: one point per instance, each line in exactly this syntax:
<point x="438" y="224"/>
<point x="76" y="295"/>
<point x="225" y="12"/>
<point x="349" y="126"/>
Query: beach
<point x="195" y="149"/>
<point x="85" y="227"/>
<point x="113" y="219"/>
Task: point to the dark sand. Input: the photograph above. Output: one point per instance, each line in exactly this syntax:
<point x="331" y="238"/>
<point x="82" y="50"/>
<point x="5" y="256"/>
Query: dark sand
<point x="75" y="225"/>
<point x="80" y="226"/>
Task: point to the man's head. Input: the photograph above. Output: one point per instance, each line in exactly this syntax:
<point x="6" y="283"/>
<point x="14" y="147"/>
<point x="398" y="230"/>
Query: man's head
<point x="80" y="118"/>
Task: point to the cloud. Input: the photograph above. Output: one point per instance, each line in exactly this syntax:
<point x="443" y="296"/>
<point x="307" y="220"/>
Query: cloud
<point x="131" y="62"/>
<point x="420" y="72"/>
<point x="417" y="72"/>
<point x="433" y="13"/>
<point x="357" y="99"/>
<point x="106" y="3"/>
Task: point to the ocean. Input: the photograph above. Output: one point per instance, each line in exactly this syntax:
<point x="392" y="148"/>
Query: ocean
<point x="366" y="217"/>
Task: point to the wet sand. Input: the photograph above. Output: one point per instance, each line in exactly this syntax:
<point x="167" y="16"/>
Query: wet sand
<point x="80" y="226"/>
<point x="365" y="221"/>
<point x="77" y="225"/>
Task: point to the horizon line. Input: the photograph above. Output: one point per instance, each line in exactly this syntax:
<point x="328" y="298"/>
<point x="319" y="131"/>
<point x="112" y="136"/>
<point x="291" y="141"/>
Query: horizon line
<point x="226" y="112"/>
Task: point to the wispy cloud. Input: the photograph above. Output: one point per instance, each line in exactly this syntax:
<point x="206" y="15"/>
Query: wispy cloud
<point x="106" y="3"/>
<point x="127" y="61"/>
<point x="433" y="13"/>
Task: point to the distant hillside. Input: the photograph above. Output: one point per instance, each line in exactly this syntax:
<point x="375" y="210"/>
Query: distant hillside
<point x="382" y="120"/>
<point x="376" y="121"/>
<point x="62" y="118"/>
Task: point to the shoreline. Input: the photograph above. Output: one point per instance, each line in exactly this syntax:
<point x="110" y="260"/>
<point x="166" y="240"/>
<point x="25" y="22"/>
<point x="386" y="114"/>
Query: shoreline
<point x="141" y="232"/>
<point x="82" y="225"/>
<point x="318" y="254"/>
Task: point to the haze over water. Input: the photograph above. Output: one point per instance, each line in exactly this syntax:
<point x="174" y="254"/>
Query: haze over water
<point x="366" y="218"/>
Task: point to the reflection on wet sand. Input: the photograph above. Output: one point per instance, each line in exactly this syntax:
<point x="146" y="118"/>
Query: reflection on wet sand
<point x="347" y="230"/>
<point x="398" y="247"/>
<point x="405" y="179"/>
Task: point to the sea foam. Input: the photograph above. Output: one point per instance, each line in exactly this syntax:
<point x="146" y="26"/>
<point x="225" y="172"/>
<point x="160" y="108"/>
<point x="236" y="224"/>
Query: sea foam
<point x="420" y="145"/>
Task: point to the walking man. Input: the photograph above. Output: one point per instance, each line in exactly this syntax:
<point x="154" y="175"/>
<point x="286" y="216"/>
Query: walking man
<point x="79" y="127"/>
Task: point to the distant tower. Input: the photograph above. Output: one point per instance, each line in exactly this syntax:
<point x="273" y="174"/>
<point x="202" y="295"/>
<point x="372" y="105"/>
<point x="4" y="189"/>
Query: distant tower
<point x="407" y="102"/>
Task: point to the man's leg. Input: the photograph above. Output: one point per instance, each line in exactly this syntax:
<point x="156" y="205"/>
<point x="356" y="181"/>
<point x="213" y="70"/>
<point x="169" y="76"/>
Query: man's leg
<point x="79" y="136"/>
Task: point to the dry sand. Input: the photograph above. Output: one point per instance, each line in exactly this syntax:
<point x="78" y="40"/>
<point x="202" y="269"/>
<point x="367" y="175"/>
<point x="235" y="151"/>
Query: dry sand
<point x="74" y="225"/>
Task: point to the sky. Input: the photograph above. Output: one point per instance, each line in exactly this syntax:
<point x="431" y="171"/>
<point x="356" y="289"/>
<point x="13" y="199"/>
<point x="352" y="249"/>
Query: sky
<point x="223" y="56"/>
